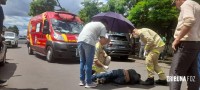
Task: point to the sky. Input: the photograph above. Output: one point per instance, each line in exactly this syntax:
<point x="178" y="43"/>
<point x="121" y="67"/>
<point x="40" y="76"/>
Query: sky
<point x="16" y="12"/>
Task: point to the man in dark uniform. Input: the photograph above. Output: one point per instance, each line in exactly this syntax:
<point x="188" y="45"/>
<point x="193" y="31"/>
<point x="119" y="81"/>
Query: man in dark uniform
<point x="2" y="2"/>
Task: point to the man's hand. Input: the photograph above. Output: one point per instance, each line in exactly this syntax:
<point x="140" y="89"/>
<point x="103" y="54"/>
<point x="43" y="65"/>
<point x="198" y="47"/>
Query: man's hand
<point x="105" y="67"/>
<point x="146" y="53"/>
<point x="184" y="30"/>
<point x="174" y="44"/>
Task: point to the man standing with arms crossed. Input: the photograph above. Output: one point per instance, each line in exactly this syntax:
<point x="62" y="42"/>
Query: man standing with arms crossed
<point x="186" y="45"/>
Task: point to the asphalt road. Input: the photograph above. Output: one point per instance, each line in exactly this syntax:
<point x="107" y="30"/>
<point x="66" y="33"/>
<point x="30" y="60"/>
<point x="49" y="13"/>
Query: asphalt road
<point x="32" y="72"/>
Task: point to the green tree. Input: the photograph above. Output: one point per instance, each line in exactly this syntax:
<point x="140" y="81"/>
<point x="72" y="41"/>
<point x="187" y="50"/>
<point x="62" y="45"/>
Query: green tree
<point x="198" y="1"/>
<point x="119" y="6"/>
<point x="91" y="8"/>
<point x="40" y="6"/>
<point x="158" y="15"/>
<point x="13" y="29"/>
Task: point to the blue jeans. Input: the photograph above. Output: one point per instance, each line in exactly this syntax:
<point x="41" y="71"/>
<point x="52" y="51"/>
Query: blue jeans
<point x="86" y="53"/>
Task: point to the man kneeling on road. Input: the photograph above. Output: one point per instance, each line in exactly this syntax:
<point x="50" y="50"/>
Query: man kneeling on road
<point x="101" y="59"/>
<point x="119" y="76"/>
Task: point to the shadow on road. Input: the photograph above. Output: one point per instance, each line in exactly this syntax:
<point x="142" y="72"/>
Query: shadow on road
<point x="7" y="71"/>
<point x="60" y="61"/>
<point x="116" y="59"/>
<point x="4" y="88"/>
<point x="67" y="61"/>
<point x="14" y="47"/>
<point x="112" y="86"/>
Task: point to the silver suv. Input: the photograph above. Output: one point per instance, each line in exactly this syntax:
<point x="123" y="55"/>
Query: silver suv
<point x="119" y="46"/>
<point x="11" y="39"/>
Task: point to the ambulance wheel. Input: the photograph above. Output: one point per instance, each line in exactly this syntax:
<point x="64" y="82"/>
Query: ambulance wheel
<point x="30" y="51"/>
<point x="50" y="57"/>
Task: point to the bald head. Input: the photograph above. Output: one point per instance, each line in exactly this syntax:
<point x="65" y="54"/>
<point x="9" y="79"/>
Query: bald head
<point x="179" y="3"/>
<point x="104" y="41"/>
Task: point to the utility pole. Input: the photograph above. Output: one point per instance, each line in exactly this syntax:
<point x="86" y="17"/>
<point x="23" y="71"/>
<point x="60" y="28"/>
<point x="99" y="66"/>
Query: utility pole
<point x="59" y="5"/>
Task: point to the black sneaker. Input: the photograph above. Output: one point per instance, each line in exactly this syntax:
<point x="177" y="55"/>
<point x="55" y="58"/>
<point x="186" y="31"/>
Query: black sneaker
<point x="161" y="82"/>
<point x="149" y="81"/>
<point x="2" y="81"/>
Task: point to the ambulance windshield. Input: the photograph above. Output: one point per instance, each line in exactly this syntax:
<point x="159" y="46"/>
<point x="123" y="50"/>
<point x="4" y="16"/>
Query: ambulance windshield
<point x="62" y="26"/>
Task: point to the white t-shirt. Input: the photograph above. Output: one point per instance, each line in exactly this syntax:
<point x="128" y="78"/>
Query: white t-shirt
<point x="91" y="33"/>
<point x="189" y="16"/>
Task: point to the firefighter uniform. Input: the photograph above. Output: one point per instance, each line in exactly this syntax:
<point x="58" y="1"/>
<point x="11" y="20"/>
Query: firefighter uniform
<point x="154" y="45"/>
<point x="100" y="55"/>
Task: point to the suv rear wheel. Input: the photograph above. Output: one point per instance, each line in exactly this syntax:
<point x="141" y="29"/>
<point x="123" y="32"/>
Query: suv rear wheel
<point x="50" y="57"/>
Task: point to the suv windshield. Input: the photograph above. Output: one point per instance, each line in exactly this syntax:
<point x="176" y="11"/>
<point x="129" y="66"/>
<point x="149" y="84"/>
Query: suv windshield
<point x="117" y="37"/>
<point x="9" y="34"/>
<point x="64" y="26"/>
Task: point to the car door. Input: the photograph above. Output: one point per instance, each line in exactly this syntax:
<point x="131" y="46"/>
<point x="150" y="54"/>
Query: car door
<point x="38" y="38"/>
<point x="43" y="39"/>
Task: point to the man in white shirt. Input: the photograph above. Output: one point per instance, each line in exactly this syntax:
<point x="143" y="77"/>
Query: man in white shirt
<point x="91" y="33"/>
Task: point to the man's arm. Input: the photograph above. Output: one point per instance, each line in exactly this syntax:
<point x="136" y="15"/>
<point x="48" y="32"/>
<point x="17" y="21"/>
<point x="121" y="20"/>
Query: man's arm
<point x="184" y="30"/>
<point x="149" y="40"/>
<point x="97" y="55"/>
<point x="98" y="63"/>
<point x="188" y="22"/>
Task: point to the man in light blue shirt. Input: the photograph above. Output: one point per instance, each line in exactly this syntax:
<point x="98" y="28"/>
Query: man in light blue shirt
<point x="91" y="33"/>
